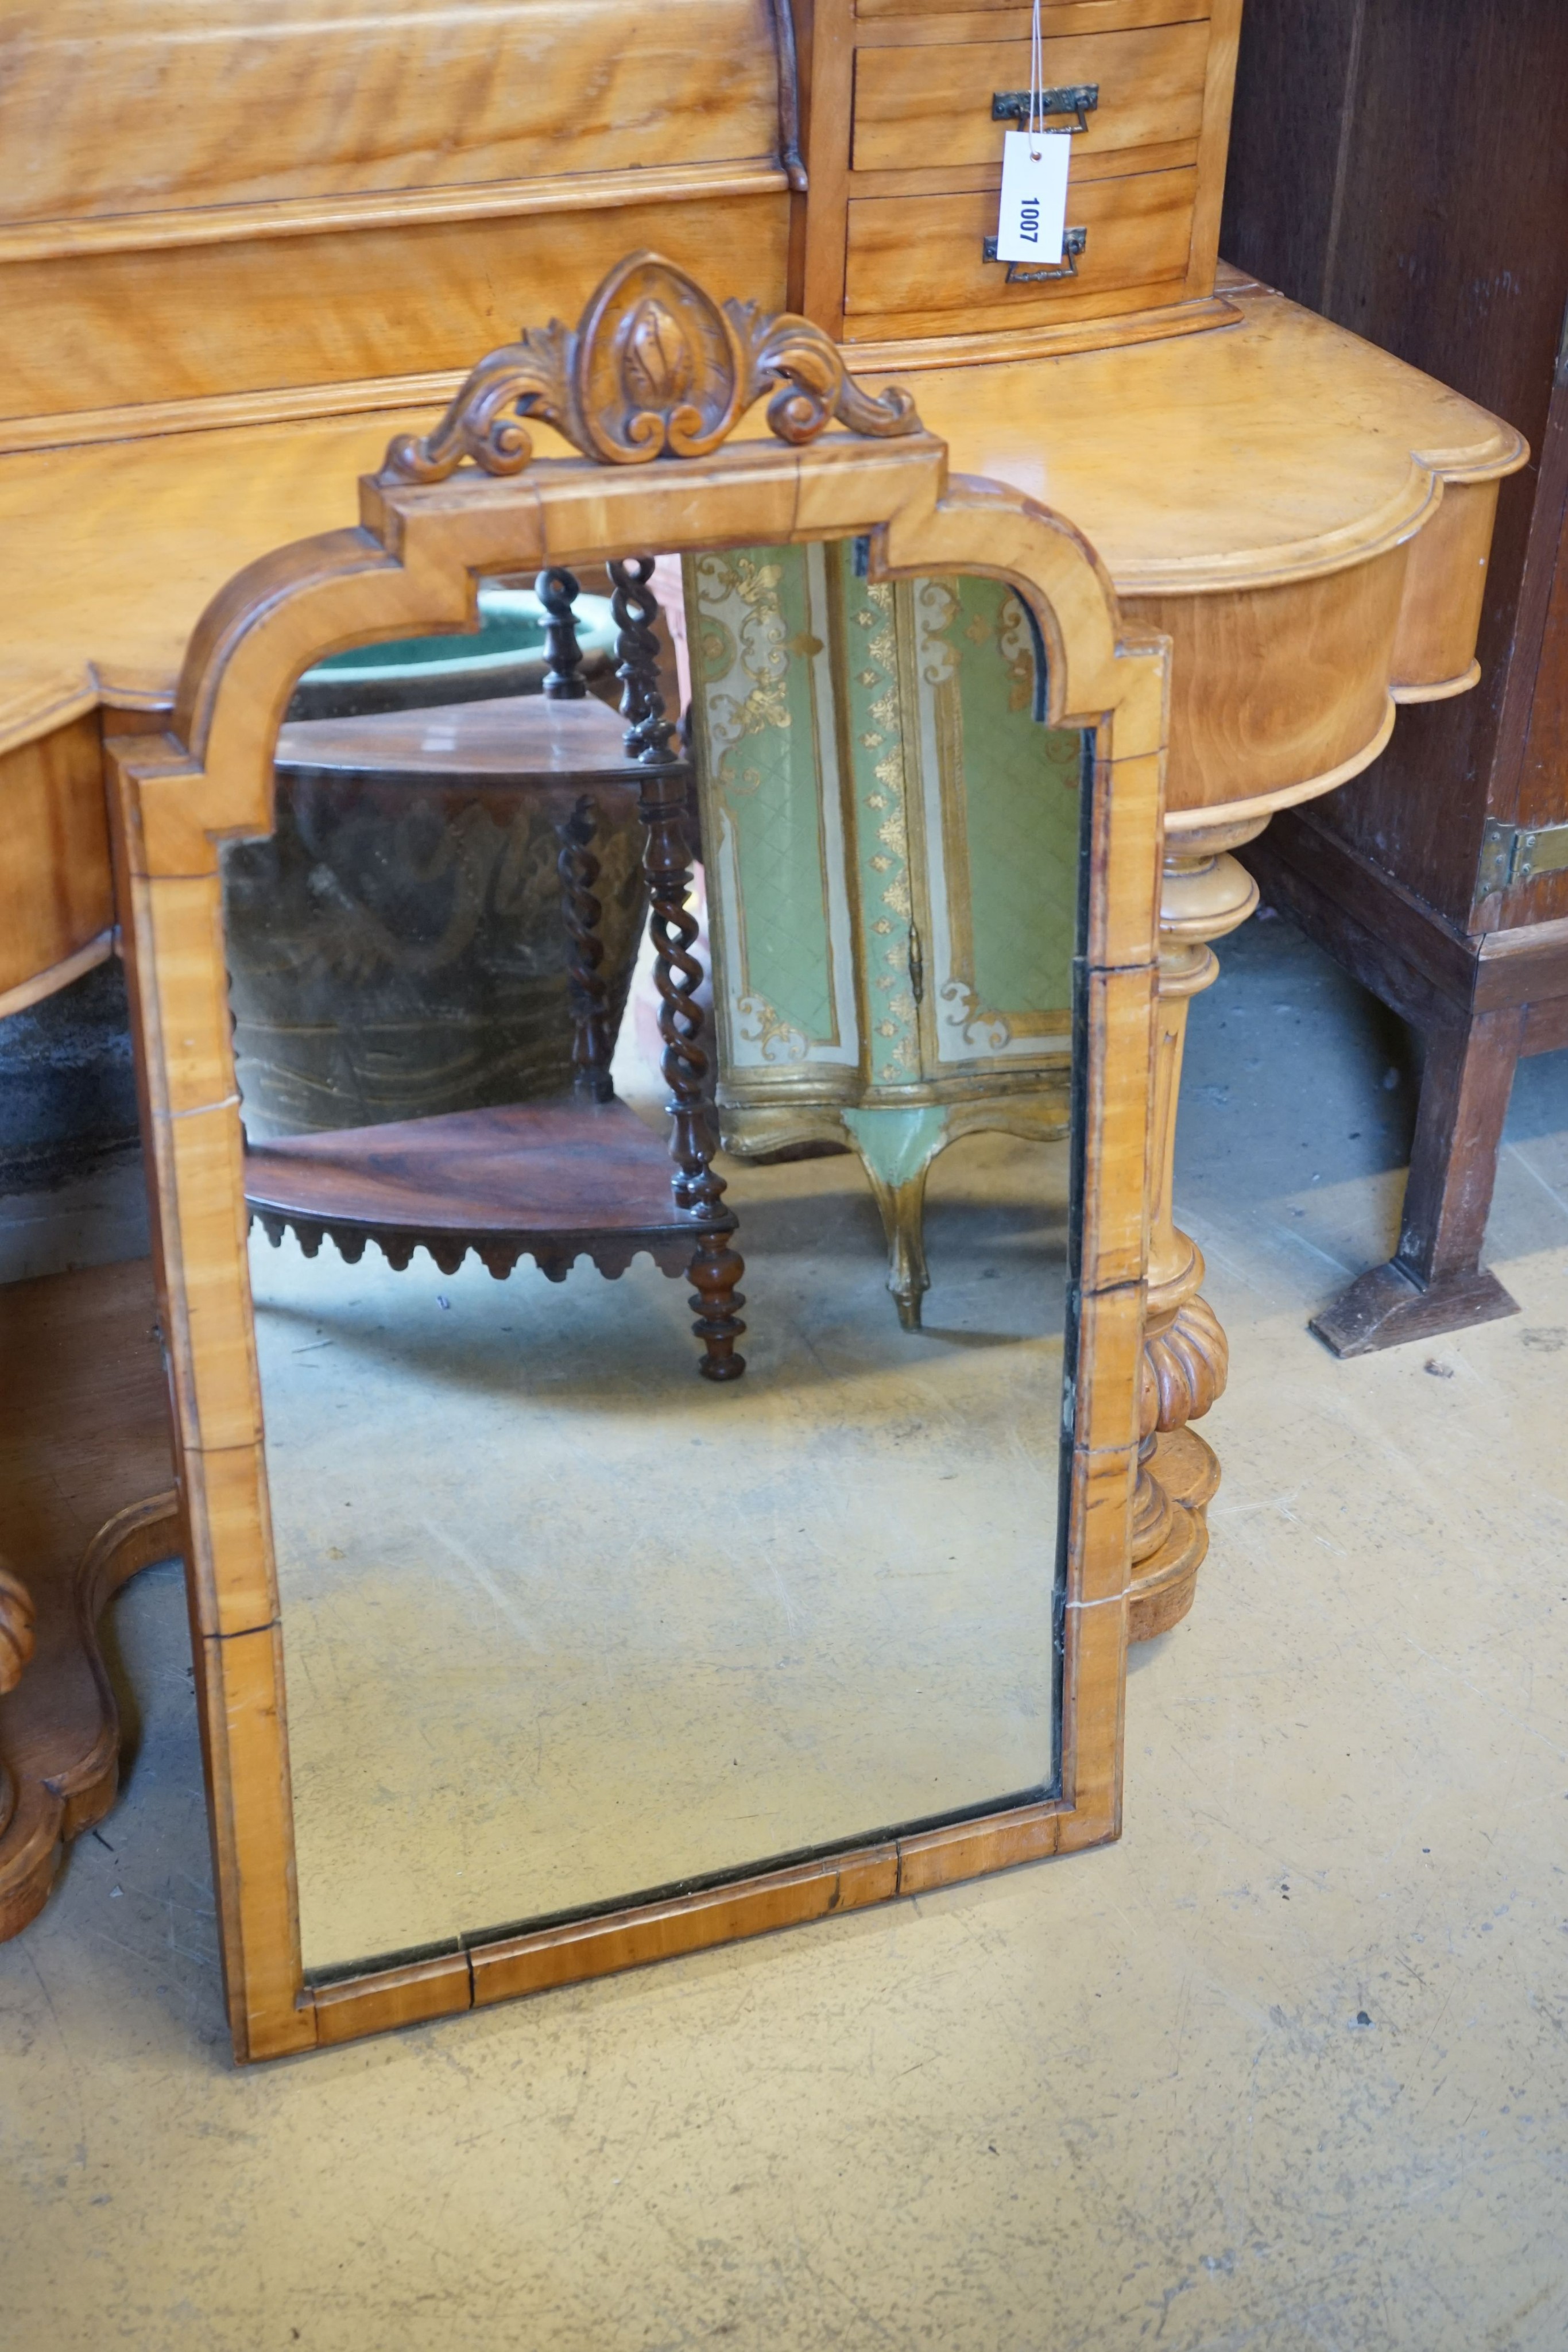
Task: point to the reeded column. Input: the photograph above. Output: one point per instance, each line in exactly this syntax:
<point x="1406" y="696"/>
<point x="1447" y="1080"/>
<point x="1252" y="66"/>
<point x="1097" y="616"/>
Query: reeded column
<point x="1205" y="894"/>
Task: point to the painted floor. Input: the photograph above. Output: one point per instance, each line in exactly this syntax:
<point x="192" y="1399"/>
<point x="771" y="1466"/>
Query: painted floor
<point x="1285" y="2070"/>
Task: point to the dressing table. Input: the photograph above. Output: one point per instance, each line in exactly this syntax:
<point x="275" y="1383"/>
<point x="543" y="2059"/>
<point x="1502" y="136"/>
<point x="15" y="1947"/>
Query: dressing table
<point x="218" y="308"/>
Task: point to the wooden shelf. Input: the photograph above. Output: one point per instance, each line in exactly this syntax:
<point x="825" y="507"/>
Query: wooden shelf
<point x="547" y="1181"/>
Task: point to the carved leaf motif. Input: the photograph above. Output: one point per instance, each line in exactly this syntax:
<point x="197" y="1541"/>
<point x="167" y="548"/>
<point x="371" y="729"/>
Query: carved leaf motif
<point x="659" y="363"/>
<point x="655" y="369"/>
<point x="814" y="385"/>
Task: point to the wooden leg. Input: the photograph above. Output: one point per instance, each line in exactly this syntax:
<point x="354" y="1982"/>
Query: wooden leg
<point x="902" y="1207"/>
<point x="1434" y="1282"/>
<point x="717" y="1268"/>
<point x="1205" y="894"/>
<point x="896" y="1149"/>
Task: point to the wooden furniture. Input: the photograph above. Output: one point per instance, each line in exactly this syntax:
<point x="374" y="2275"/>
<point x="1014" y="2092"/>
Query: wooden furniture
<point x="544" y="1181"/>
<point x="1305" y="516"/>
<point x="903" y="101"/>
<point x="893" y="969"/>
<point x="396" y="946"/>
<point x="655" y="369"/>
<point x="1440" y="877"/>
<point x="270" y="216"/>
<point x="214" y="324"/>
<point x="84" y="1425"/>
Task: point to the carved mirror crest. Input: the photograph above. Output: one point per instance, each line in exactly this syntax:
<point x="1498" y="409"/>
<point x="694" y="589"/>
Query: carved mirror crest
<point x="523" y="1655"/>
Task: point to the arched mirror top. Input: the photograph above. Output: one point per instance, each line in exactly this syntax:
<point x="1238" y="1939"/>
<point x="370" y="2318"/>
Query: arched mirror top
<point x="652" y="399"/>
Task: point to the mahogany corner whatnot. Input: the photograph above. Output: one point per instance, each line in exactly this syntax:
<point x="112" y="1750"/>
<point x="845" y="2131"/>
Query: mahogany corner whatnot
<point x="546" y="1181"/>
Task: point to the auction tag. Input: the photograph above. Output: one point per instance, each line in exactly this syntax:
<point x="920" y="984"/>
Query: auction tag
<point x="1034" y="195"/>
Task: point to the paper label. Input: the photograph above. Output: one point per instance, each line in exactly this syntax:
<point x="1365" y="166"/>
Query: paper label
<point x="1034" y="195"/>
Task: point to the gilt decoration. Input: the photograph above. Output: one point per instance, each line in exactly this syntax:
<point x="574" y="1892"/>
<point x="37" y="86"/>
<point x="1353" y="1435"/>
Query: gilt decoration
<point x="655" y="368"/>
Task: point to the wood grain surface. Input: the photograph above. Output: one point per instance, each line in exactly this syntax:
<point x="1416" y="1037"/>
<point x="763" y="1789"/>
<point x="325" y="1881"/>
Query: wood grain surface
<point x="202" y="323"/>
<point x="109" y="111"/>
<point x="540" y="1173"/>
<point x="914" y="111"/>
<point x="54" y="894"/>
<point x="918" y="261"/>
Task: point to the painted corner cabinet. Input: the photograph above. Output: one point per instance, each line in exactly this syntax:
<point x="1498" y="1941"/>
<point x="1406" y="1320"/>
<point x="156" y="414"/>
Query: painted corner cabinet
<point x="892" y="846"/>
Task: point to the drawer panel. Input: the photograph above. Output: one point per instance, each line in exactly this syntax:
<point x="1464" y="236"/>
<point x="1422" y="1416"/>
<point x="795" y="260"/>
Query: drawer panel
<point x="922" y="107"/>
<point x="955" y="18"/>
<point x="922" y="254"/>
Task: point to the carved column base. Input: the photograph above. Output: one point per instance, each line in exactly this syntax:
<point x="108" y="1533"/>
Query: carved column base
<point x="59" y="1730"/>
<point x="1187" y="1473"/>
<point x="84" y="1423"/>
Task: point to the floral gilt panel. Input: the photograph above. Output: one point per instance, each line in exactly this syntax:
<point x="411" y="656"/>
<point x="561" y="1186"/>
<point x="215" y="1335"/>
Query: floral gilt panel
<point x="768" y="751"/>
<point x="1001" y="805"/>
<point x="892" y="838"/>
<point x="885" y="858"/>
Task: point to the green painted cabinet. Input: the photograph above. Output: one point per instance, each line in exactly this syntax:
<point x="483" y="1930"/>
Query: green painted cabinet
<point x="892" y="846"/>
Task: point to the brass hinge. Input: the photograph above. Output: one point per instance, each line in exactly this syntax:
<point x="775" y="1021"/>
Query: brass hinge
<point x="1511" y="854"/>
<point x="1073" y="241"/>
<point x="916" y="965"/>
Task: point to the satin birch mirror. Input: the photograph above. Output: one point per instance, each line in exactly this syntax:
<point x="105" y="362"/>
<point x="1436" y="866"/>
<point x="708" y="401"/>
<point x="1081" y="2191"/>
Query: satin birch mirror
<point x="589" y="1661"/>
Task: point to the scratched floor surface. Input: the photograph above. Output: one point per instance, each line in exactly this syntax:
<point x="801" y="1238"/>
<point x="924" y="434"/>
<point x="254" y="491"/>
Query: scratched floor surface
<point x="1286" y="2071"/>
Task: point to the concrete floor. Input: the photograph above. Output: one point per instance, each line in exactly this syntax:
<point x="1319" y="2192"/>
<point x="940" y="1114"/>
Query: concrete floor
<point x="1285" y="2069"/>
<point x="563" y="1624"/>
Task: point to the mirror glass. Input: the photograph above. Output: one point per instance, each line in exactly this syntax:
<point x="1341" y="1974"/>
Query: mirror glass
<point x="565" y="1624"/>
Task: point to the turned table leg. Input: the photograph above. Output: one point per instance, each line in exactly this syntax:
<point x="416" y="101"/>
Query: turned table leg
<point x="1205" y="894"/>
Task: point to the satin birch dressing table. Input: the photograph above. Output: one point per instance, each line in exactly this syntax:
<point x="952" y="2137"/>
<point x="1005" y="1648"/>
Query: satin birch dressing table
<point x="227" y="277"/>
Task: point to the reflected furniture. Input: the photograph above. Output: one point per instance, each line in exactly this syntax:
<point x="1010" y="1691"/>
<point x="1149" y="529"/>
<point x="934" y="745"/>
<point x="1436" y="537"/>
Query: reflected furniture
<point x="656" y="371"/>
<point x="547" y="1181"/>
<point x="884" y="870"/>
<point x="1440" y="877"/>
<point x="266" y="294"/>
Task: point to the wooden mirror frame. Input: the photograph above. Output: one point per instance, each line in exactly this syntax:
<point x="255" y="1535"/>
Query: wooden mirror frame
<point x="411" y="568"/>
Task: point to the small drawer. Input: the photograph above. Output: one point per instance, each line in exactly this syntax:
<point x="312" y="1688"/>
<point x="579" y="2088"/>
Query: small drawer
<point x="1056" y="16"/>
<point x="918" y="258"/>
<point x="929" y="106"/>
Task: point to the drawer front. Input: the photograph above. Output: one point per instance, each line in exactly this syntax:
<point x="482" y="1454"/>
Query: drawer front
<point x="929" y="107"/>
<point x="1056" y="16"/>
<point x="921" y="254"/>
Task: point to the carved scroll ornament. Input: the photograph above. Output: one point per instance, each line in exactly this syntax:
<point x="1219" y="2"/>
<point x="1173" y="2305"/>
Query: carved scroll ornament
<point x="655" y="368"/>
